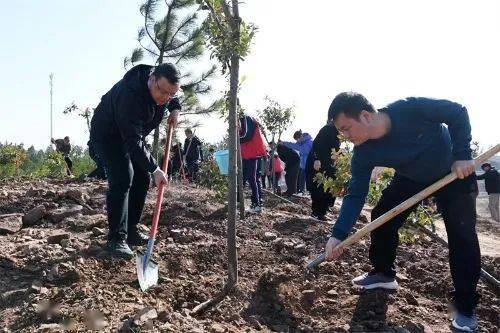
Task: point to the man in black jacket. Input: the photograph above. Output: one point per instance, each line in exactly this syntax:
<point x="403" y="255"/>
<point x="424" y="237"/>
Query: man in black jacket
<point x="492" y="183"/>
<point x="291" y="158"/>
<point x="193" y="154"/>
<point x="319" y="160"/>
<point x="127" y="113"/>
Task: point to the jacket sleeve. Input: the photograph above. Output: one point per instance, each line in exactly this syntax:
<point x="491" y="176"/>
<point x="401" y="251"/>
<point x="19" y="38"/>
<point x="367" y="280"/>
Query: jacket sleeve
<point x="292" y="145"/>
<point x="481" y="177"/>
<point x="131" y="125"/>
<point x="456" y="117"/>
<point x="354" y="200"/>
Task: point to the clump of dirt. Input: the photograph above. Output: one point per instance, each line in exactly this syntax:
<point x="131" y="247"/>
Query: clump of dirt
<point x="54" y="274"/>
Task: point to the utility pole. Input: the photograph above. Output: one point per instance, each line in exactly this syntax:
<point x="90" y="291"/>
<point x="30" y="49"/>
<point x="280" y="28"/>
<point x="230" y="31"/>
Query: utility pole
<point x="51" y="82"/>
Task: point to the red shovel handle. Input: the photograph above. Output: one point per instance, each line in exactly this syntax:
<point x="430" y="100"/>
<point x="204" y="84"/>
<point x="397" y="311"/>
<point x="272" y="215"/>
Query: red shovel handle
<point x="161" y="188"/>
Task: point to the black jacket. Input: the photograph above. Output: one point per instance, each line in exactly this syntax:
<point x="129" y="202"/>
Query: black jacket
<point x="127" y="114"/>
<point x="491" y="180"/>
<point x="289" y="156"/>
<point x="192" y="150"/>
<point x="326" y="140"/>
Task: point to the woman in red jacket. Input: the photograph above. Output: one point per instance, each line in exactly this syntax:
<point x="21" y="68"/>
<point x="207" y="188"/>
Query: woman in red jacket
<point x="252" y="148"/>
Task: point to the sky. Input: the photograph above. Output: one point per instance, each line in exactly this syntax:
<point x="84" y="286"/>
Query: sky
<point x="302" y="55"/>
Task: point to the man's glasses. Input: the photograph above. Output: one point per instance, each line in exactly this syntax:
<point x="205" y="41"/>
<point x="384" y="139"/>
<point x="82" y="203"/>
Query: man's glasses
<point x="163" y="92"/>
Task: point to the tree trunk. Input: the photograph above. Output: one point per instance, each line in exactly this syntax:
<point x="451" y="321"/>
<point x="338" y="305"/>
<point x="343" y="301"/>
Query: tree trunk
<point x="241" y="196"/>
<point x="232" y="255"/>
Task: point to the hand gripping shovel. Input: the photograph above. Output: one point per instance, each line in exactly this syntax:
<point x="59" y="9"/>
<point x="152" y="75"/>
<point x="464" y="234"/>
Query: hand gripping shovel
<point x="147" y="270"/>
<point x="403" y="206"/>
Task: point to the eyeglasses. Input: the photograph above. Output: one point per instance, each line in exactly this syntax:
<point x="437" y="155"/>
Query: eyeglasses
<point x="163" y="92"/>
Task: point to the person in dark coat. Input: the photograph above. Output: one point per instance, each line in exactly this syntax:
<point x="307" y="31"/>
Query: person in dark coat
<point x="175" y="160"/>
<point x="291" y="158"/>
<point x="491" y="179"/>
<point x="63" y="146"/>
<point x="320" y="161"/>
<point x="193" y="154"/>
<point x="127" y="113"/>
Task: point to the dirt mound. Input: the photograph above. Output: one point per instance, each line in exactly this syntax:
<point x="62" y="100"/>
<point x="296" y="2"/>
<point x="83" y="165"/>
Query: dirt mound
<point x="54" y="274"/>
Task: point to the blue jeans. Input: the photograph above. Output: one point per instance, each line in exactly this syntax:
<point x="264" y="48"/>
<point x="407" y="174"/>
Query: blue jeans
<point x="250" y="175"/>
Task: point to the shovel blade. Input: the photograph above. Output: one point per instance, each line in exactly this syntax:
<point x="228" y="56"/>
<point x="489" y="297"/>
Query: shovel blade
<point x="147" y="271"/>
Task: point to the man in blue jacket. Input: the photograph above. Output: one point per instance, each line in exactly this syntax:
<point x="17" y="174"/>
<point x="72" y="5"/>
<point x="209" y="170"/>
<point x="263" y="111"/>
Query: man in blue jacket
<point x="303" y="144"/>
<point x="127" y="113"/>
<point x="409" y="135"/>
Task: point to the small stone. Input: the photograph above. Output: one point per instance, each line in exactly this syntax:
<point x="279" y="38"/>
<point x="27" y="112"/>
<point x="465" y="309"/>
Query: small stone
<point x="269" y="236"/>
<point x="60" y="214"/>
<point x="217" y="328"/>
<point x="144" y="315"/>
<point x="34" y="216"/>
<point x="50" y="328"/>
<point x="400" y="277"/>
<point x="57" y="238"/>
<point x="98" y="231"/>
<point x="12" y="295"/>
<point x="308" y="295"/>
<point x="332" y="293"/>
<point x="410" y="299"/>
<point x="10" y="223"/>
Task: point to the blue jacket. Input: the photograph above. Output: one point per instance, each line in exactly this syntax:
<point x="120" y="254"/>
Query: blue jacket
<point x="303" y="147"/>
<point x="418" y="147"/>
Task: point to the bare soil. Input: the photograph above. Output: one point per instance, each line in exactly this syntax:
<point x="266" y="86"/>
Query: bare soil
<point x="54" y="275"/>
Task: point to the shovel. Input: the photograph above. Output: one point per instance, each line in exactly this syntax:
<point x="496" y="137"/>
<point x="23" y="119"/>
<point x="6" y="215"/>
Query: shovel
<point x="402" y="207"/>
<point x="147" y="270"/>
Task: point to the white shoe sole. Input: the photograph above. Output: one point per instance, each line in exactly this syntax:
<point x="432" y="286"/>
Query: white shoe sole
<point x="384" y="285"/>
<point x="462" y="328"/>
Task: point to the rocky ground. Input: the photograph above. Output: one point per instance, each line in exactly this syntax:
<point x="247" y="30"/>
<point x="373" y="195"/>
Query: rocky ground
<point x="54" y="275"/>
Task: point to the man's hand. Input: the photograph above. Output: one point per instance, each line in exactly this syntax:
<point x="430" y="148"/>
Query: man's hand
<point x="332" y="254"/>
<point x="173" y="117"/>
<point x="159" y="177"/>
<point x="317" y="165"/>
<point x="463" y="168"/>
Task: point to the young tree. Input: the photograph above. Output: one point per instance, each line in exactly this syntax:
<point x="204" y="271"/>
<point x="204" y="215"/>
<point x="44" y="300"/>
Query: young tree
<point x="275" y="119"/>
<point x="229" y="40"/>
<point x="176" y="37"/>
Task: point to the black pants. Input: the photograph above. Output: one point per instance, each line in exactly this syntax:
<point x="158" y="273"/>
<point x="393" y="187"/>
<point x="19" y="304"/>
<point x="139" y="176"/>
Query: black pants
<point x="192" y="169"/>
<point x="127" y="189"/>
<point x="69" y="164"/>
<point x="458" y="210"/>
<point x="301" y="182"/>
<point x="320" y="200"/>
<point x="291" y="177"/>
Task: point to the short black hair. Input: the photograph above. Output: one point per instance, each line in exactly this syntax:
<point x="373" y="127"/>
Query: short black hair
<point x="349" y="103"/>
<point x="188" y="130"/>
<point x="297" y="134"/>
<point x="484" y="165"/>
<point x="168" y="71"/>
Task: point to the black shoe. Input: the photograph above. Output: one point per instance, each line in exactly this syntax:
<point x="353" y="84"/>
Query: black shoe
<point x="320" y="218"/>
<point x="119" y="249"/>
<point x="136" y="238"/>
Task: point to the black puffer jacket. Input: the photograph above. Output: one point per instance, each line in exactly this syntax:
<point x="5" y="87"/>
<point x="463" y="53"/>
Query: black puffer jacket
<point x="127" y="114"/>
